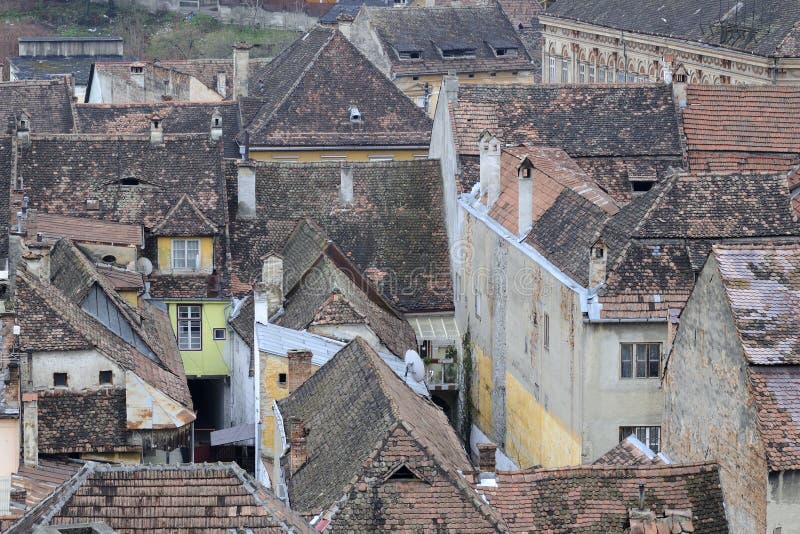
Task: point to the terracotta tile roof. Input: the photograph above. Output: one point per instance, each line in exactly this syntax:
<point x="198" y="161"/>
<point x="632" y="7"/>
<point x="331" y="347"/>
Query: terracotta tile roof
<point x="692" y="20"/>
<point x="81" y="229"/>
<point x="521" y="11"/>
<point x="319" y="79"/>
<point x="83" y="421"/>
<point x="433" y="30"/>
<point x="177" y="117"/>
<point x="121" y="279"/>
<point x="393" y="233"/>
<point x="186" y="219"/>
<point x="617" y="175"/>
<point x="598" y="498"/>
<point x="350" y="407"/>
<point x="763" y="291"/>
<point x="52" y="319"/>
<point x="776" y="390"/>
<point x="583" y="120"/>
<point x="630" y="452"/>
<point x="6" y="181"/>
<point x="214" y="498"/>
<point x="734" y="128"/>
<point x="48" y="102"/>
<point x="244" y="322"/>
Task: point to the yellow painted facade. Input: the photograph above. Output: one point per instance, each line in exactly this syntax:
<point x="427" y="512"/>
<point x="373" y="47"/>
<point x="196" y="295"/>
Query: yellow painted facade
<point x="271" y="390"/>
<point x="131" y="297"/>
<point x="114" y="457"/>
<point x="533" y="435"/>
<point x="165" y="254"/>
<point x="483" y="396"/>
<point x="305" y="156"/>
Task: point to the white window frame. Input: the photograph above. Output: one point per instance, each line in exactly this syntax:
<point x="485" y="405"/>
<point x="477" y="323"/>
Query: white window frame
<point x="552" y="69"/>
<point x="181" y="255"/>
<point x="592" y="72"/>
<point x="190" y="327"/>
<point x="582" y="72"/>
<point x="650" y="435"/>
<point x="564" y="70"/>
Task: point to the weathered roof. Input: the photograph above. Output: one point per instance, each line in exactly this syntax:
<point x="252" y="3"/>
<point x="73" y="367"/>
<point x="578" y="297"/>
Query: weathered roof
<point x="598" y="498"/>
<point x="767" y="28"/>
<point x="6" y="176"/>
<point x="323" y="287"/>
<point x="434" y="30"/>
<point x="735" y="128"/>
<point x="83" y="230"/>
<point x="176" y="117"/>
<point x="631" y="452"/>
<point x="776" y="392"/>
<point x="121" y="279"/>
<point x="763" y="292"/>
<point x="165" y="498"/>
<point x="309" y="89"/>
<point x="349" y="407"/>
<point x="48" y="67"/>
<point x="582" y="120"/>
<point x="48" y="103"/>
<point x="393" y="231"/>
<point x="349" y="8"/>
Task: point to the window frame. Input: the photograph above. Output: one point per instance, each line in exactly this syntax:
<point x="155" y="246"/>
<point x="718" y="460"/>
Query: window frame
<point x="190" y="320"/>
<point x="185" y="252"/>
<point x="649" y="431"/>
<point x="582" y="72"/>
<point x="564" y="70"/>
<point x="66" y="380"/>
<point x="634" y="360"/>
<point x="552" y="69"/>
<point x="285" y="381"/>
<point x="224" y="334"/>
<point x="108" y="382"/>
<point x="546" y="330"/>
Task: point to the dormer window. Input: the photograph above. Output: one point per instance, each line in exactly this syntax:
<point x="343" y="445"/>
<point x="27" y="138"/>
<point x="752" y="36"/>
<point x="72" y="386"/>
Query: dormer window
<point x="457" y="53"/>
<point x="137" y="69"/>
<point x="641" y="186"/>
<point x="412" y="54"/>
<point x="503" y="48"/>
<point x="408" y="51"/>
<point x="130" y="182"/>
<point x="355" y="115"/>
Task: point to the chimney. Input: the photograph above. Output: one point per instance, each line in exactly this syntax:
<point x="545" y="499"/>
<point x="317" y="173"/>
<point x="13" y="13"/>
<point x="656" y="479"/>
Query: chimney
<point x="156" y="129"/>
<point x="246" y="189"/>
<point x="216" y="125"/>
<point x="300" y="368"/>
<point x="260" y="306"/>
<point x="346" y="185"/>
<point x="298" y="454"/>
<point x="241" y="67"/>
<point x="272" y="277"/>
<point x="490" y="167"/>
<point x="597" y="263"/>
<point x="486" y="457"/>
<point x="24" y="128"/>
<point x="30" y="429"/>
<point x="525" y="204"/>
<point x="679" y="80"/>
<point x="451" y="88"/>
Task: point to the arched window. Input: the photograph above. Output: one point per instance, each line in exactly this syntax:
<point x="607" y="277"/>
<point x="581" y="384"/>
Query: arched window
<point x="602" y="69"/>
<point x="653" y="73"/>
<point x="621" y="71"/>
<point x="564" y="65"/>
<point x="552" y="65"/>
<point x="592" y="67"/>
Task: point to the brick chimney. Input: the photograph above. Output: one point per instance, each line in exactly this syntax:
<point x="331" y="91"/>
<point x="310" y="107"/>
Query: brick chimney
<point x="525" y="203"/>
<point x="490" y="167"/>
<point x="298" y="454"/>
<point x="156" y="129"/>
<point x="241" y="68"/>
<point x="272" y="276"/>
<point x="346" y="185"/>
<point x="30" y="429"/>
<point x="597" y="263"/>
<point x="246" y="189"/>
<point x="216" y="125"/>
<point x="486" y="457"/>
<point x="300" y="368"/>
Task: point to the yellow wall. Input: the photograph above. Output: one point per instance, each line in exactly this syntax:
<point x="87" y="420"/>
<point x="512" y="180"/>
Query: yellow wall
<point x="271" y="366"/>
<point x="9" y="442"/>
<point x="533" y="435"/>
<point x="116" y="457"/>
<point x="209" y="361"/>
<point x="165" y="254"/>
<point x="303" y="156"/>
<point x="132" y="297"/>
<point x="482" y="398"/>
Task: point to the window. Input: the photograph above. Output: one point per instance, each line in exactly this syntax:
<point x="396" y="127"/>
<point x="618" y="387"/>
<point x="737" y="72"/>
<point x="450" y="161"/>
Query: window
<point x="582" y="73"/>
<point x="649" y="435"/>
<point x="591" y="73"/>
<point x="564" y="70"/>
<point x="640" y="360"/>
<point x="189" y="328"/>
<point x="220" y="333"/>
<point x="552" y="77"/>
<point x="60" y="380"/>
<point x="282" y="379"/>
<point x="546" y="333"/>
<point x="640" y="186"/>
<point x="185" y="254"/>
<point x="106" y="378"/>
<point x="601" y="71"/>
<point x="620" y="76"/>
<point x="137" y="69"/>
<point x="458" y="53"/>
<point x="411" y="54"/>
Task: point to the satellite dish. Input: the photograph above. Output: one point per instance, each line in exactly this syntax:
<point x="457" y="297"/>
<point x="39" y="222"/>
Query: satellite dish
<point x="415" y="365"/>
<point x="144" y="266"/>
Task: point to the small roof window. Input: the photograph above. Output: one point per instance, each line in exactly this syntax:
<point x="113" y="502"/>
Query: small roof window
<point x="457" y="49"/>
<point x="408" y="51"/>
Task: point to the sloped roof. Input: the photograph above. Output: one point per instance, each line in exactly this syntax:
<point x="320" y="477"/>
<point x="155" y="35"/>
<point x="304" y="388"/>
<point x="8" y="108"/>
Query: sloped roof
<point x="81" y="229"/>
<point x="582" y="120"/>
<point x="165" y="498"/>
<point x="49" y="67"/>
<point x="6" y="177"/>
<point x="185" y="219"/>
<point x="177" y="117"/>
<point x="348" y="407"/>
<point x="49" y="104"/>
<point x="308" y="91"/>
<point x="773" y="23"/>
<point x="393" y="232"/>
<point x="631" y="452"/>
<point x="776" y="390"/>
<point x="431" y="30"/>
<point x="121" y="279"/>
<point x="597" y="498"/>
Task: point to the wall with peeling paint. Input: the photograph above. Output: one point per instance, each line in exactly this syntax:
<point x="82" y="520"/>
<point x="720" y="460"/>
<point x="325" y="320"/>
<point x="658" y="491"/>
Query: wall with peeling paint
<point x="82" y="367"/>
<point x="241" y="394"/>
<point x="271" y="390"/>
<point x="783" y="502"/>
<point x="9" y="442"/>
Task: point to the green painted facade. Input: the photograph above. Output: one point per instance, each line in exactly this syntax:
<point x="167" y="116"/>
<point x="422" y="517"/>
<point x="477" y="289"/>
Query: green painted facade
<point x="209" y="361"/>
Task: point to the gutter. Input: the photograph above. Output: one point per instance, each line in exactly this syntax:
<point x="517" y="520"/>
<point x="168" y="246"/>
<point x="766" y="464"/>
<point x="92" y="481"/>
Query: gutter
<point x="337" y="147"/>
<point x="600" y="320"/>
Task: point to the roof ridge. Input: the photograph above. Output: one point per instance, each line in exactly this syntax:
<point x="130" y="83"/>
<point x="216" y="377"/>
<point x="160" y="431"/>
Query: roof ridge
<point x="195" y="208"/>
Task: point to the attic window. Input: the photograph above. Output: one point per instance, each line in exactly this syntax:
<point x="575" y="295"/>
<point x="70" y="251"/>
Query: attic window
<point x="598" y="252"/>
<point x="105" y="378"/>
<point x="137" y="69"/>
<point x="453" y="53"/>
<point x="505" y="52"/>
<point x="410" y="54"/>
<point x="641" y="186"/>
<point x="92" y="204"/>
<point x="109" y="258"/>
<point x="130" y="181"/>
<point x="403" y="473"/>
<point x="60" y="380"/>
<point x="355" y="115"/>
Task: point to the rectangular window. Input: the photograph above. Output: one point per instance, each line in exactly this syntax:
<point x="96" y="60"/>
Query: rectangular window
<point x="546" y="333"/>
<point x="282" y="379"/>
<point x="552" y="77"/>
<point x="185" y="254"/>
<point x="640" y="360"/>
<point x="582" y="73"/>
<point x="620" y="76"/>
<point x="60" y="380"/>
<point x="220" y="333"/>
<point x="190" y="327"/>
<point x="105" y="378"/>
<point x="649" y="435"/>
<point x="591" y="73"/>
<point x="602" y="74"/>
<point x="564" y="71"/>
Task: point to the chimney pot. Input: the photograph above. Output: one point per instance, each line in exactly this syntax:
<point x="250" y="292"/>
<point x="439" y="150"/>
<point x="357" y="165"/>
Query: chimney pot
<point x="300" y="368"/>
<point x="486" y="457"/>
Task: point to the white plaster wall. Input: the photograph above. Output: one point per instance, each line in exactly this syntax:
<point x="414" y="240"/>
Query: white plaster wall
<point x="82" y="368"/>
<point x="783" y="502"/>
<point x="443" y="148"/>
<point x="9" y="444"/>
<point x="242" y="385"/>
